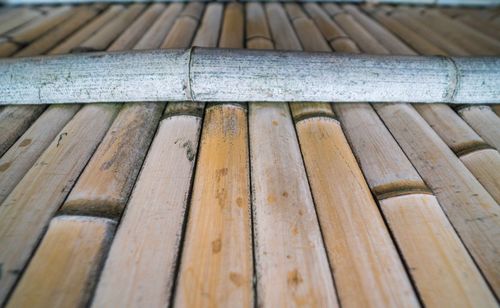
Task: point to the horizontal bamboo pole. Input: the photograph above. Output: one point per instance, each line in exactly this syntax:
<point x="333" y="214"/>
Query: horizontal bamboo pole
<point x="204" y="74"/>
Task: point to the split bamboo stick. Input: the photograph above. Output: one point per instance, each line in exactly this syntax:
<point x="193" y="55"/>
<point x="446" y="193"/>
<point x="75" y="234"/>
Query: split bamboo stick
<point x="457" y="134"/>
<point x="402" y="205"/>
<point x="353" y="235"/>
<point x="289" y="250"/>
<point x="257" y="34"/>
<point x="39" y="26"/>
<point x="23" y="154"/>
<point x="14" y="120"/>
<point x="235" y="75"/>
<point x="484" y="121"/>
<point x="73" y="248"/>
<point x="154" y="232"/>
<point x="50" y="39"/>
<point x="471" y="210"/>
<point x="159" y="30"/>
<point x="7" y="47"/>
<point x="85" y="32"/>
<point x="465" y="17"/>
<point x="217" y="270"/>
<point x="105" y="36"/>
<point x="24" y="214"/>
<point x="16" y="18"/>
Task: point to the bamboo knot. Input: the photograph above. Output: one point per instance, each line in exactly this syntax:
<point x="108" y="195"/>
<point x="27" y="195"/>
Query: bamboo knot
<point x="189" y="80"/>
<point x="454" y="83"/>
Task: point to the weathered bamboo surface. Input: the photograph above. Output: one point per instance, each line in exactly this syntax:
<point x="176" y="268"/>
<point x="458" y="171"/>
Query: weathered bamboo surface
<point x="232" y="203"/>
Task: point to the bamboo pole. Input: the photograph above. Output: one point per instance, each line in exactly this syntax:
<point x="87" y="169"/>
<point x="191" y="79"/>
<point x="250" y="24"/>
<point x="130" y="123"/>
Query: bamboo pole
<point x="353" y="235"/>
<point x="149" y="279"/>
<point x="411" y="211"/>
<point x="73" y="248"/>
<point x="461" y="196"/>
<point x="201" y="74"/>
<point x="218" y="231"/>
<point x="288" y="247"/>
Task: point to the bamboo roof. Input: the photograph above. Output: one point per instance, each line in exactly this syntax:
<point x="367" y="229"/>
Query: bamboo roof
<point x="250" y="204"/>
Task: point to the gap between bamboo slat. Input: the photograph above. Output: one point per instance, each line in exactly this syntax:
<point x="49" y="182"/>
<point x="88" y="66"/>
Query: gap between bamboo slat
<point x="471" y="210"/>
<point x="401" y="213"/>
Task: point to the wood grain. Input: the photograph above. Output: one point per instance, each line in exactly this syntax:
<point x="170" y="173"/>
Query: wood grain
<point x="27" y="210"/>
<point x="73" y="249"/>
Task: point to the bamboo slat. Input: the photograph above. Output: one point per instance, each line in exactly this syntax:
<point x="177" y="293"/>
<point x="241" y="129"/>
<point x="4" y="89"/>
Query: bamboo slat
<point x="187" y="21"/>
<point x="105" y="36"/>
<point x="50" y="39"/>
<point x="7" y="47"/>
<point x="16" y="18"/>
<point x="159" y="30"/>
<point x="421" y="252"/>
<point x="444" y="274"/>
<point x="85" y="32"/>
<point x="353" y="235"/>
<point x="34" y="29"/>
<point x="26" y="211"/>
<point x="73" y="248"/>
<point x="485" y="122"/>
<point x="484" y="164"/>
<point x="208" y="32"/>
<point x="289" y="249"/>
<point x="496" y="109"/>
<point x="136" y="30"/>
<point x="258" y="35"/>
<point x="23" y="154"/>
<point x="216" y="267"/>
<point x="465" y="17"/>
<point x="140" y="267"/>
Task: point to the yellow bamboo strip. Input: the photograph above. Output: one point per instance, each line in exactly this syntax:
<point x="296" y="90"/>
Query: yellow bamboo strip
<point x="208" y="32"/>
<point x="135" y="31"/>
<point x="14" y="120"/>
<point x="217" y="270"/>
<point x="39" y="26"/>
<point x="484" y="121"/>
<point x="16" y="18"/>
<point x="288" y="246"/>
<point x="257" y="30"/>
<point x="23" y="154"/>
<point x="418" y="252"/>
<point x="105" y="36"/>
<point x="232" y="28"/>
<point x="140" y="267"/>
<point x="158" y="31"/>
<point x="51" y="38"/>
<point x="86" y="31"/>
<point x="73" y="249"/>
<point x="188" y="21"/>
<point x="26" y="211"/>
<point x="353" y="235"/>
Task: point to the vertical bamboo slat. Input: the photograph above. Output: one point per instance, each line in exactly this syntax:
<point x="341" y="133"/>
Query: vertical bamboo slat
<point x="140" y="267"/>
<point x="85" y="32"/>
<point x="158" y="31"/>
<point x="289" y="250"/>
<point x="26" y="211"/>
<point x="73" y="247"/>
<point x="23" y="154"/>
<point x="354" y="235"/>
<point x="216" y="266"/>
<point x="401" y="201"/>
<point x="257" y="29"/>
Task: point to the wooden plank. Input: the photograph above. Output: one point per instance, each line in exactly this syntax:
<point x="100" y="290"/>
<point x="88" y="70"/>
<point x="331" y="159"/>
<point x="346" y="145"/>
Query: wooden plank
<point x="26" y="211"/>
<point x="354" y="236"/>
<point x="23" y="154"/>
<point x="406" y="207"/>
<point x="50" y="39"/>
<point x="159" y="30"/>
<point x="106" y="35"/>
<point x="218" y="271"/>
<point x="85" y="32"/>
<point x="431" y="246"/>
<point x="135" y="30"/>
<point x="34" y="29"/>
<point x="14" y="120"/>
<point x="289" y="250"/>
<point x="73" y="249"/>
<point x="485" y="122"/>
<point x="140" y="268"/>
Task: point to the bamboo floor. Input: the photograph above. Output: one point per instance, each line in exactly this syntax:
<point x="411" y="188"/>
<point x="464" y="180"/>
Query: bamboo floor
<point x="258" y="204"/>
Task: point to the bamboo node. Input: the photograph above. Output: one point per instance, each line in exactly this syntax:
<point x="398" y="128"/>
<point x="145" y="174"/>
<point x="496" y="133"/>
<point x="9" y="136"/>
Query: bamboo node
<point x="189" y="81"/>
<point x="451" y="91"/>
